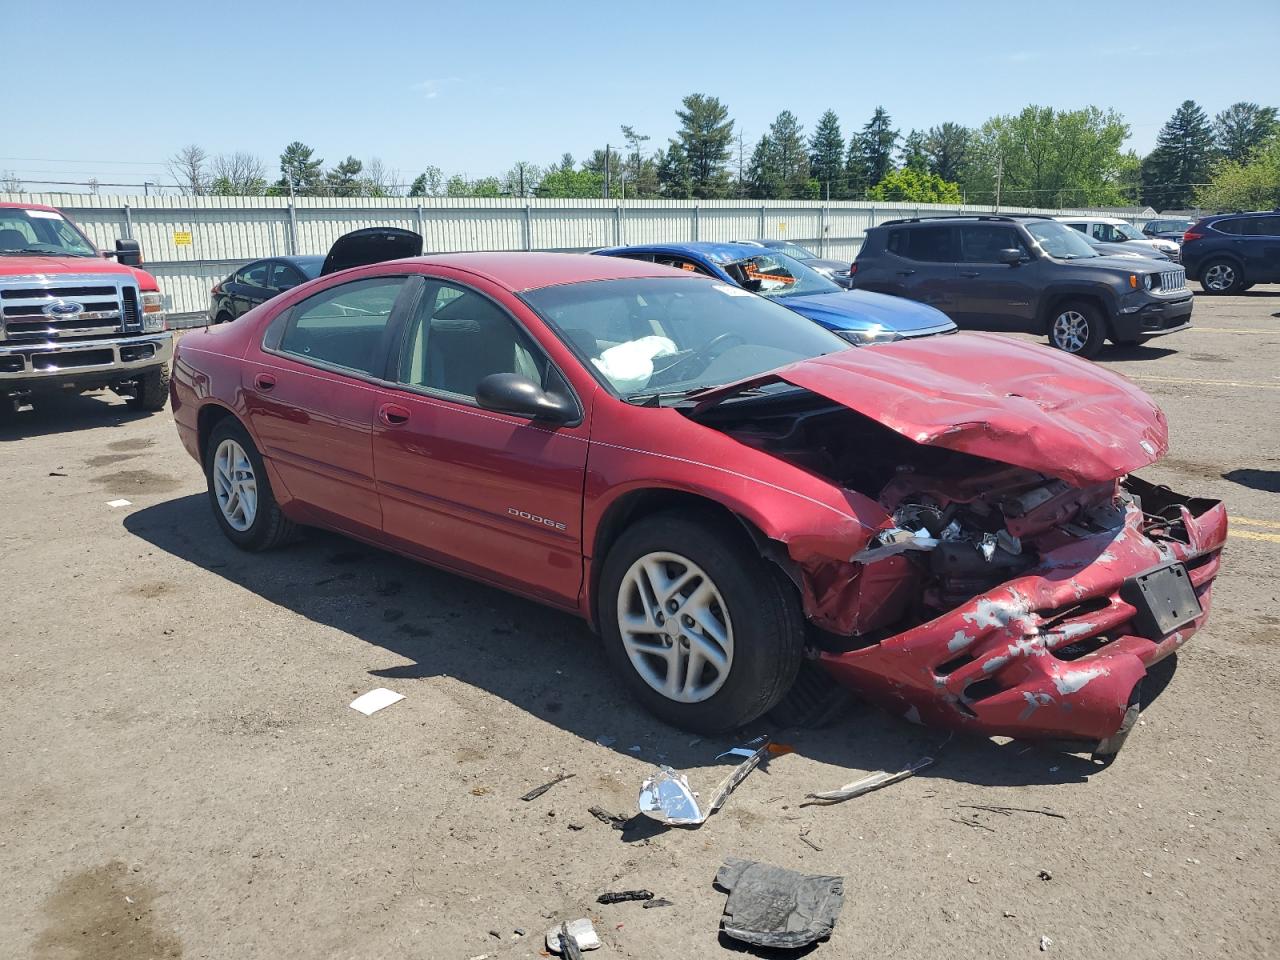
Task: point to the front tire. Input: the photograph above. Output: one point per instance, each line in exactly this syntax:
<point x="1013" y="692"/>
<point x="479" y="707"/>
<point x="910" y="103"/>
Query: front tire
<point x="240" y="491"/>
<point x="707" y="633"/>
<point x="1077" y="327"/>
<point x="1222" y="277"/>
<point x="152" y="390"/>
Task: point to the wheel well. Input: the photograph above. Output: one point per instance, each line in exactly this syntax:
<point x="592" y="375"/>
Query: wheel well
<point x="1055" y="303"/>
<point x="1223" y="255"/>
<point x="634" y="507"/>
<point x="210" y="416"/>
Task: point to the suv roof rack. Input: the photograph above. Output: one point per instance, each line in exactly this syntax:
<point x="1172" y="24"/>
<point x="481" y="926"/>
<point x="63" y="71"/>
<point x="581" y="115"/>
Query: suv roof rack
<point x="1001" y="217"/>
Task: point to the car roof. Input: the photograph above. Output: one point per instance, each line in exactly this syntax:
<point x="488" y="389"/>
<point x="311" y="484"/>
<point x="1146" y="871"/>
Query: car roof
<point x="1243" y="213"/>
<point x="1087" y="219"/>
<point x="532" y="271"/>
<point x="716" y="252"/>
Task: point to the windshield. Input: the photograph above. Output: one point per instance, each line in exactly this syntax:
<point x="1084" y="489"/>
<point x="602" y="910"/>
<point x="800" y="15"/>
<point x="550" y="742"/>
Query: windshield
<point x="664" y="337"/>
<point x="776" y="275"/>
<point x="40" y="231"/>
<point x="1169" y="226"/>
<point x="793" y="250"/>
<point x="1129" y="232"/>
<point x="1059" y="241"/>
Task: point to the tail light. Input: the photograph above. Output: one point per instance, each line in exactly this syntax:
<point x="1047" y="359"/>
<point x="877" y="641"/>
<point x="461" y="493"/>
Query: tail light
<point x="853" y="268"/>
<point x="217" y="289"/>
<point x="1192" y="235"/>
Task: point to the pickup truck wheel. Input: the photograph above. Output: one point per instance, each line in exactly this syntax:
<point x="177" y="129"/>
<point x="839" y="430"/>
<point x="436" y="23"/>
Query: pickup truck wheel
<point x="1077" y="328"/>
<point x="153" y="390"/>
<point x="240" y="492"/>
<point x="1220" y="277"/>
<point x="707" y="634"/>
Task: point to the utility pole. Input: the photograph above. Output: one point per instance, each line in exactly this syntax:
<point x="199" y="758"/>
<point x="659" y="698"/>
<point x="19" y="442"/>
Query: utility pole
<point x="607" y="184"/>
<point x="999" y="176"/>
<point x="520" y="167"/>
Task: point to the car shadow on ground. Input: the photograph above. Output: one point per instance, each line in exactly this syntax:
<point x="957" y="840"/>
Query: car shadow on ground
<point x="1141" y="351"/>
<point x="61" y="414"/>
<point x="544" y="661"/>
<point x="1266" y="480"/>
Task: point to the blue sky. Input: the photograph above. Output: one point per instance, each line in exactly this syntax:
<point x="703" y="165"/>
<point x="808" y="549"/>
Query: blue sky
<point x="474" y="86"/>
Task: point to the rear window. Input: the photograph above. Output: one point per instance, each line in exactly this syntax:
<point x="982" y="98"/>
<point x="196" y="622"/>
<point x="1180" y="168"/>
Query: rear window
<point x="1233" y="227"/>
<point x="930" y="244"/>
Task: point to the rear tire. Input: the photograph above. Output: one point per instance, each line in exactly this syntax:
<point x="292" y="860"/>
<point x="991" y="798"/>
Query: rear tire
<point x="240" y="491"/>
<point x="223" y="318"/>
<point x="1077" y="327"/>
<point x="1222" y="277"/>
<point x="688" y="597"/>
<point x="153" y="390"/>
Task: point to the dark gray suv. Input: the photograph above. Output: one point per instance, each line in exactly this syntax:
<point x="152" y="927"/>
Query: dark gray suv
<point x="1024" y="273"/>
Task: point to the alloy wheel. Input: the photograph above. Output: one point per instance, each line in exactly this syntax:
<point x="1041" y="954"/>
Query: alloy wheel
<point x="1220" y="276"/>
<point x="1070" y="331"/>
<point x="675" y="627"/>
<point x="234" y="485"/>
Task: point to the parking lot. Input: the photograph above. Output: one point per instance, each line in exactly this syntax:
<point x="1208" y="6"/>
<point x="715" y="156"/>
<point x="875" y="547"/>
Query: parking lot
<point x="183" y="776"/>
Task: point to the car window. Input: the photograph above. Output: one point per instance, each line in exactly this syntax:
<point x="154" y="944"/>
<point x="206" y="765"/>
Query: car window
<point x="284" y="277"/>
<point x="1233" y="227"/>
<point x="930" y="244"/>
<point x="255" y="274"/>
<point x="458" y="337"/>
<point x="982" y="243"/>
<point x="1261" y="227"/>
<point x="343" y="325"/>
<point x="777" y="275"/>
<point x="680" y="263"/>
<point x="1082" y="227"/>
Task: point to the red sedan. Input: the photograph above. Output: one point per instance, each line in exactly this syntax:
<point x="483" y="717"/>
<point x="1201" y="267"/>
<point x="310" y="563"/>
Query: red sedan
<point x="719" y="486"/>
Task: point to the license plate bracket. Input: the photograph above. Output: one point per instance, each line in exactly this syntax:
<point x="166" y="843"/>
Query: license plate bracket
<point x="1163" y="598"/>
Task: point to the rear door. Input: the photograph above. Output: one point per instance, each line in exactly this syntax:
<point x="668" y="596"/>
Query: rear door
<point x="249" y="287"/>
<point x="992" y="295"/>
<point x="920" y="264"/>
<point x="495" y="495"/>
<point x="310" y="391"/>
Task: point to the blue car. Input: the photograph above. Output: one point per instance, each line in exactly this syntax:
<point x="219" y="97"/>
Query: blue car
<point x="859" y="316"/>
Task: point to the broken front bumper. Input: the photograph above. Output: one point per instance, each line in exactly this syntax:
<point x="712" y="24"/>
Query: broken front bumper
<point x="1051" y="655"/>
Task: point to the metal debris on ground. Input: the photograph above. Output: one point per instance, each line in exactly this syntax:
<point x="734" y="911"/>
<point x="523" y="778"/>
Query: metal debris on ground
<point x="572" y="937"/>
<point x="873" y="782"/>
<point x="604" y="816"/>
<point x="536" y="792"/>
<point x="373" y="701"/>
<point x="665" y="795"/>
<point x="657" y="902"/>
<point x="773" y="907"/>
<point x="622" y="896"/>
<point x="805" y="837"/>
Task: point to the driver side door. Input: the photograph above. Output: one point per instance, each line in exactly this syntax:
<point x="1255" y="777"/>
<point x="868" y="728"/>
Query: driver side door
<point x="491" y="494"/>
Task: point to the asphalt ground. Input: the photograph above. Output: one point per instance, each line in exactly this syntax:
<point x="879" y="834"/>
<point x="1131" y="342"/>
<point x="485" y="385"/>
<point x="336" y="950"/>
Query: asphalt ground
<point x="181" y="775"/>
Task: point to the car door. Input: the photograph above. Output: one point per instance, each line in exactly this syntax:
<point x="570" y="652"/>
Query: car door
<point x="494" y="495"/>
<point x="992" y="295"/>
<point x="250" y="287"/>
<point x="921" y="265"/>
<point x="283" y="277"/>
<point x="1260" y="249"/>
<point x="310" y="393"/>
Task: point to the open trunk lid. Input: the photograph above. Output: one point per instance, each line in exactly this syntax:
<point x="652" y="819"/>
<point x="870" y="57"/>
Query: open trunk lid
<point x="1016" y="403"/>
<point x="360" y="248"/>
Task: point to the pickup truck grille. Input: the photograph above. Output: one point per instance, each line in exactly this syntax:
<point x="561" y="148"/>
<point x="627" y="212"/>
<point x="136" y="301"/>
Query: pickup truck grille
<point x="1172" y="281"/>
<point x="106" y="309"/>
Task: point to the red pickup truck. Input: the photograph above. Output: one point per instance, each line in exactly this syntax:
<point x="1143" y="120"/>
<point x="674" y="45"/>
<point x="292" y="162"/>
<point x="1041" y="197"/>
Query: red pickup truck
<point x="70" y="319"/>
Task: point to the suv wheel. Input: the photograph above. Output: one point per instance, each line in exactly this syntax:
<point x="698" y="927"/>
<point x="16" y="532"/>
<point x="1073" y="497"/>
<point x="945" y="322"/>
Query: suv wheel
<point x="1221" y="277"/>
<point x="240" y="492"/>
<point x="708" y="634"/>
<point x="1077" y="328"/>
<point x="152" y="390"/>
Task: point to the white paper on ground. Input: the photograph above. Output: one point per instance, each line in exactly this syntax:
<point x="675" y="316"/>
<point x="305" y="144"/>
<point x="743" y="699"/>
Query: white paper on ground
<point x="119" y="503"/>
<point x="375" y="700"/>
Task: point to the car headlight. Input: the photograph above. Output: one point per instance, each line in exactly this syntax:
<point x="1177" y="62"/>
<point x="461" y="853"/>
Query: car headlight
<point x="1148" y="280"/>
<point x="153" y="319"/>
<point x="869" y="335"/>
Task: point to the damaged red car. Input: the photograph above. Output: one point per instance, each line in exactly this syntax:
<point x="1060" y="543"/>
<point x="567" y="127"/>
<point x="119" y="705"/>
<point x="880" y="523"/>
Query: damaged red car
<point x="949" y="526"/>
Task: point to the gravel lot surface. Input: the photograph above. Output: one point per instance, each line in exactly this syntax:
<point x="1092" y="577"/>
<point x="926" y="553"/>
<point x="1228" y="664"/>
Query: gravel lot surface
<point x="182" y="776"/>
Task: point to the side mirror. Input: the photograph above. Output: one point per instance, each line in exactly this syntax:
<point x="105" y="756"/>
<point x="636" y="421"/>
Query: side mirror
<point x="128" y="253"/>
<point x="1010" y="256"/>
<point x="521" y="397"/>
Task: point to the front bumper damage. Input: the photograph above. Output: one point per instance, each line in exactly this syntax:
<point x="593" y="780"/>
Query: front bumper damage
<point x="1054" y="654"/>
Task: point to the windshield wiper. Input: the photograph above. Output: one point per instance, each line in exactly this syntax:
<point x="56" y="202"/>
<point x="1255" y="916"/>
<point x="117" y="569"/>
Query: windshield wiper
<point x="47" y="253"/>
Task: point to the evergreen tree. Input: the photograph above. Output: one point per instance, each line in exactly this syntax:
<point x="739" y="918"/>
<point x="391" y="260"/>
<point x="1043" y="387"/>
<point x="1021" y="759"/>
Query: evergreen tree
<point x="790" y="156"/>
<point x="299" y="170"/>
<point x="429" y="183"/>
<point x="674" y="178"/>
<point x="947" y="147"/>
<point x="855" y="170"/>
<point x="1180" y="160"/>
<point x="826" y="155"/>
<point x="912" y="156"/>
<point x="763" y="179"/>
<point x="879" y="140"/>
<point x="703" y="142"/>
<point x="1242" y="128"/>
<point x="344" y="179"/>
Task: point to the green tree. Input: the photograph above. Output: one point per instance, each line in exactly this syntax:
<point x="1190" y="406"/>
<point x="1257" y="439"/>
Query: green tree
<point x="522" y="179"/>
<point x="703" y="143"/>
<point x="826" y="155"/>
<point x="917" y="186"/>
<point x="675" y="179"/>
<point x="1242" y="128"/>
<point x="299" y="170"/>
<point x="1180" y="161"/>
<point x="1251" y="185"/>
<point x="641" y="171"/>
<point x="577" y="184"/>
<point x="763" y="179"/>
<point x="429" y="183"/>
<point x="947" y="147"/>
<point x="912" y="155"/>
<point x="344" y="179"/>
<point x="780" y="162"/>
<point x="879" y="141"/>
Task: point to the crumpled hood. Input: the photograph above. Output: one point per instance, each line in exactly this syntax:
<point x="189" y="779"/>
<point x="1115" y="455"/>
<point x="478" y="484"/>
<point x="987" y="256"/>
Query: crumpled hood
<point x="858" y="309"/>
<point x="1016" y="403"/>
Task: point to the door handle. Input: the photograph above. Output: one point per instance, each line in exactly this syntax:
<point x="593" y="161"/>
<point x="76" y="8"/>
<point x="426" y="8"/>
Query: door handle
<point x="905" y="273"/>
<point x="264" y="381"/>
<point x="970" y="274"/>
<point x="392" y="414"/>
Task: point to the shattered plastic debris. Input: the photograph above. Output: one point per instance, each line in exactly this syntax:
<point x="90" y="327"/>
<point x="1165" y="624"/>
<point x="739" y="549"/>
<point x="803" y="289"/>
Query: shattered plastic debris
<point x="873" y="782"/>
<point x="657" y="902"/>
<point x="1045" y="943"/>
<point x="579" y="934"/>
<point x="375" y="700"/>
<point x="622" y="896"/>
<point x="119" y="503"/>
<point x="614" y="820"/>
<point x="773" y="907"/>
<point x="896" y="540"/>
<point x="667" y="797"/>
<point x="536" y="792"/>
